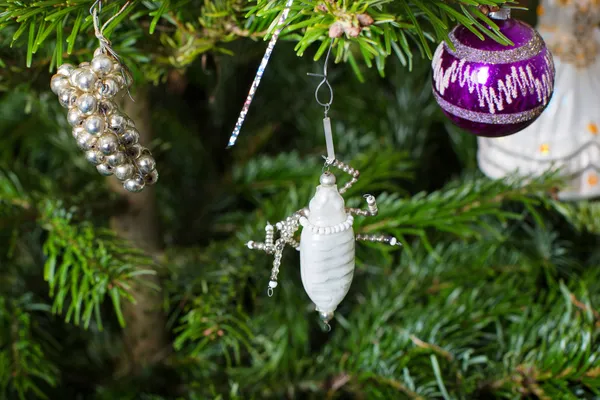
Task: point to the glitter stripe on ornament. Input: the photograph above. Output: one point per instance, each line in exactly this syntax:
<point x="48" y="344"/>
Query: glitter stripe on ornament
<point x="525" y="52"/>
<point x="519" y="81"/>
<point x="259" y="74"/>
<point x="494" y="119"/>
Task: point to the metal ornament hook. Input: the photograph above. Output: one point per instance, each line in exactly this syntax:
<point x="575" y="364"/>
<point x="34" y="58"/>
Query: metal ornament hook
<point x="105" y="44"/>
<point x="325" y="81"/>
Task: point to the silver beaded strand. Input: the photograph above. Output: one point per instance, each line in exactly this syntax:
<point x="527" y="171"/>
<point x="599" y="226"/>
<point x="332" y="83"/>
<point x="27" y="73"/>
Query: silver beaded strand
<point x="106" y="134"/>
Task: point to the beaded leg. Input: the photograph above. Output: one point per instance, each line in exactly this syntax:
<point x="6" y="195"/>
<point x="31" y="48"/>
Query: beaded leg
<point x="268" y="246"/>
<point x="371" y="210"/>
<point x="349" y="170"/>
<point x="391" y="240"/>
<point x="287" y="229"/>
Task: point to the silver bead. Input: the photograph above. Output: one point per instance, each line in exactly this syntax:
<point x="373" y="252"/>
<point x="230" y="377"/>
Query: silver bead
<point x="325" y="316"/>
<point x="94" y="124"/>
<point x="117" y="123"/>
<point x="68" y="97"/>
<point x="99" y="51"/>
<point x="104" y="169"/>
<point x="102" y="65"/>
<point x="327" y="179"/>
<point x="65" y="70"/>
<point x="75" y="117"/>
<point x="86" y="80"/>
<point x="94" y="157"/>
<point x="85" y="141"/>
<point x="77" y="131"/>
<point x="108" y="143"/>
<point x="118" y="78"/>
<point x="108" y="88"/>
<point x="58" y="83"/>
<point x="134" y="185"/>
<point x="133" y="151"/>
<point x="74" y="75"/>
<point x="87" y="104"/>
<point x="146" y="164"/>
<point x="151" y="178"/>
<point x="84" y="64"/>
<point x="117" y="158"/>
<point x="273" y="284"/>
<point x="124" y="171"/>
<point x="129" y="137"/>
<point x="106" y="107"/>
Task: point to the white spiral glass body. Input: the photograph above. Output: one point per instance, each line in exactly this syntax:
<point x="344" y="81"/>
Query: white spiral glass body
<point x="327" y="249"/>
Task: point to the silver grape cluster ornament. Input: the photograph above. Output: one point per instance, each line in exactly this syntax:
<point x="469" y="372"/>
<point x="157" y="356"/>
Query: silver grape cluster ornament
<point x="326" y="246"/>
<point x="104" y="132"/>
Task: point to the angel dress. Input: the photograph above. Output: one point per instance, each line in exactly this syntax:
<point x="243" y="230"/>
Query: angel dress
<point x="566" y="137"/>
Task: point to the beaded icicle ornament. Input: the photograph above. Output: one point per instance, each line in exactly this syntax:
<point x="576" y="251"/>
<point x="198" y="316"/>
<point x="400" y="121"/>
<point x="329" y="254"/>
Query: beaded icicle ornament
<point x="106" y="134"/>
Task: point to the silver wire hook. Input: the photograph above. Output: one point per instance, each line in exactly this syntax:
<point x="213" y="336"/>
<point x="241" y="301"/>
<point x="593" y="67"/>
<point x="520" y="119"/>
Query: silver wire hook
<point x="270" y="291"/>
<point x="326" y="164"/>
<point x="325" y="81"/>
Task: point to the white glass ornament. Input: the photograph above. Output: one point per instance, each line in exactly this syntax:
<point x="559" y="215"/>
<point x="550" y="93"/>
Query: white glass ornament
<point x="566" y="136"/>
<point x="326" y="244"/>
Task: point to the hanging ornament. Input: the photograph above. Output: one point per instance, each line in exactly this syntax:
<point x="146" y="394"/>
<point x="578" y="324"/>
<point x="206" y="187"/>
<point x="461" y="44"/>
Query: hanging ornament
<point x="566" y="137"/>
<point x="489" y="89"/>
<point x="106" y="134"/>
<point x="326" y="246"/>
<point x="259" y="74"/>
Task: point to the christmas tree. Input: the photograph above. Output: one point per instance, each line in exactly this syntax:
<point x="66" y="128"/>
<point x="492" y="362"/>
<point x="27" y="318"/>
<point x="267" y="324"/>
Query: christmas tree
<point x="106" y="294"/>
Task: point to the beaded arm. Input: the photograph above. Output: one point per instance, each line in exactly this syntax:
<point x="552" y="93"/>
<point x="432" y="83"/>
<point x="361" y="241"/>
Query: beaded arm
<point x="371" y="210"/>
<point x="287" y="228"/>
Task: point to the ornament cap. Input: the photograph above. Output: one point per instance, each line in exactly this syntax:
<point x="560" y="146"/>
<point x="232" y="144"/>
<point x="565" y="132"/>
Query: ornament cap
<point x="502" y="14"/>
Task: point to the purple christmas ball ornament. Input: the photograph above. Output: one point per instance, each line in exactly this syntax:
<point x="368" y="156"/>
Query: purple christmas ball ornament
<point x="490" y="89"/>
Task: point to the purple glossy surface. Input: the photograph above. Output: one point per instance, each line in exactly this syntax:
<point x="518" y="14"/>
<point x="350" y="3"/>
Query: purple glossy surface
<point x="517" y="31"/>
<point x="489" y="76"/>
<point x="460" y="96"/>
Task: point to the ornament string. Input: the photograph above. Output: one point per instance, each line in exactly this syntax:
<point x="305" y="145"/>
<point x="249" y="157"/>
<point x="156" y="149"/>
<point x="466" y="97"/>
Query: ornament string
<point x="105" y="44"/>
<point x="326" y="105"/>
<point x="259" y="74"/>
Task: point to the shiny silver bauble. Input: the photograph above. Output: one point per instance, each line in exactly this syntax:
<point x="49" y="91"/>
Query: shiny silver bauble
<point x="116" y="122"/>
<point x="108" y="143"/>
<point x="134" y="184"/>
<point x="104" y="169"/>
<point x="124" y="171"/>
<point x="75" y="117"/>
<point x="108" y="88"/>
<point x="116" y="159"/>
<point x="65" y="70"/>
<point x="86" y="80"/>
<point x="134" y="151"/>
<point x="67" y="97"/>
<point x="102" y="65"/>
<point x="94" y="157"/>
<point x="85" y="141"/>
<point x="129" y="137"/>
<point x="146" y="164"/>
<point x="94" y="124"/>
<point x="58" y="83"/>
<point x="87" y="104"/>
<point x="151" y="178"/>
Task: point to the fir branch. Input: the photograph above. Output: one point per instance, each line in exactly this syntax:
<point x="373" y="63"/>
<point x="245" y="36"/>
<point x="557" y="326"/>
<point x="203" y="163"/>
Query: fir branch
<point x="85" y="265"/>
<point x="24" y="368"/>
